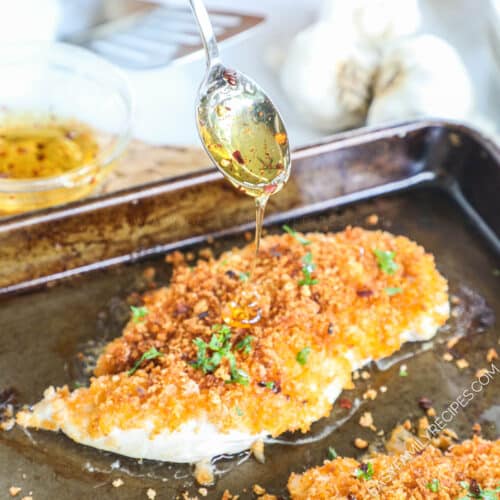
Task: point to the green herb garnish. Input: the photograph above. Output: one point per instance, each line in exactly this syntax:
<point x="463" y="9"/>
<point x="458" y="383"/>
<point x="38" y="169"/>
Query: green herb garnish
<point x="150" y="354"/>
<point x="365" y="471"/>
<point x="245" y="345"/>
<point x="385" y="261"/>
<point x="243" y="276"/>
<point x="308" y="268"/>
<point x="303" y="355"/>
<point x="475" y="491"/>
<point x="220" y="347"/>
<point x="239" y="411"/>
<point x="300" y="239"/>
<point x="403" y="372"/>
<point x="332" y="454"/>
<point x="138" y="313"/>
<point x="270" y="385"/>
<point x="393" y="290"/>
<point x="433" y="485"/>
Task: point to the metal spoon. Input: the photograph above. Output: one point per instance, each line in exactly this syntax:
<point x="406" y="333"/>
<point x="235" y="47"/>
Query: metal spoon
<point x="239" y="126"/>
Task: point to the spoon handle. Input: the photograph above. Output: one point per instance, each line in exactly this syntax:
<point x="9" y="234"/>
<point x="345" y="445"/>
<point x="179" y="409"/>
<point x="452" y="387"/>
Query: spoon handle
<point x="206" y="31"/>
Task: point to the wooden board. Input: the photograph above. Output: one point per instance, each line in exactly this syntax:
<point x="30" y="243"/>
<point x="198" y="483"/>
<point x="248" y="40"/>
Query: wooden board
<point x="145" y="163"/>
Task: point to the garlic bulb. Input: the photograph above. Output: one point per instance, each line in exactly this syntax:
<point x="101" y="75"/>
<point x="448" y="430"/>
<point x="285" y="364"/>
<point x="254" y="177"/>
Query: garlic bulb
<point x="420" y="76"/>
<point x="373" y="21"/>
<point x="328" y="76"/>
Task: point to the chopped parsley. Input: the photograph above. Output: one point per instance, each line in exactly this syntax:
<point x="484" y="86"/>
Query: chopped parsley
<point x="150" y="354"/>
<point x="364" y="471"/>
<point x="270" y="385"/>
<point x="393" y="290"/>
<point x="475" y="491"/>
<point x="332" y="454"/>
<point x="302" y="355"/>
<point x="138" y="313"/>
<point x="385" y="261"/>
<point x="298" y="237"/>
<point x="243" y="276"/>
<point x="239" y="411"/>
<point x="245" y="345"/>
<point x="308" y="268"/>
<point x="433" y="485"/>
<point x="220" y="346"/>
<point x="403" y="371"/>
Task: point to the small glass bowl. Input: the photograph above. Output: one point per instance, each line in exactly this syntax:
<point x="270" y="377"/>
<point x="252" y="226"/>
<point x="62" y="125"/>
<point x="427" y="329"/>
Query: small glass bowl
<point x="67" y="82"/>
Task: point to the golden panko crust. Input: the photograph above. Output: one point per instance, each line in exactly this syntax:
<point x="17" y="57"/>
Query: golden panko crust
<point x="413" y="478"/>
<point x="348" y="310"/>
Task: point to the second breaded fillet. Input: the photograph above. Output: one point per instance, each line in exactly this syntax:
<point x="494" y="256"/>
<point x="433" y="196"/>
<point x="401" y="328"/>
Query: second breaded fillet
<point x="463" y="472"/>
<point x="357" y="307"/>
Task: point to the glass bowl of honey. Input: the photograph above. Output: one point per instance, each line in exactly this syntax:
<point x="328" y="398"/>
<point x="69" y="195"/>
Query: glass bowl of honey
<point x="65" y="120"/>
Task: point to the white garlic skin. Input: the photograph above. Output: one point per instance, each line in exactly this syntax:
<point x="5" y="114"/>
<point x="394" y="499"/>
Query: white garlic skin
<point x="374" y="22"/>
<point x="327" y="76"/>
<point x="421" y="76"/>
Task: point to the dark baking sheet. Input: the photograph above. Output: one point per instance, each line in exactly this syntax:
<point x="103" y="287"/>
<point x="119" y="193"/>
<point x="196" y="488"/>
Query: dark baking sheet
<point x="66" y="274"/>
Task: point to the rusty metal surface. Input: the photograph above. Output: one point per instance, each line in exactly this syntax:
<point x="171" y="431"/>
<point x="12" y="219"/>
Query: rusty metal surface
<point x="438" y="184"/>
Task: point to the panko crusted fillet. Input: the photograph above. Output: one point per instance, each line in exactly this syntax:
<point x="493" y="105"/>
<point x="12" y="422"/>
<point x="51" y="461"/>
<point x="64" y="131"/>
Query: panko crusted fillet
<point x="430" y="474"/>
<point x="170" y="410"/>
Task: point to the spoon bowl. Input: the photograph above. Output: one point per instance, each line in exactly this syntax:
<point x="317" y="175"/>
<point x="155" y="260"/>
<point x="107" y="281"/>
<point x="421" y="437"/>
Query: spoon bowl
<point x="242" y="132"/>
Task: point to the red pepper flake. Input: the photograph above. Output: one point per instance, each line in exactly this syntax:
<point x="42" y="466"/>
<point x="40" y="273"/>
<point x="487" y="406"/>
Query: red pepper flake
<point x="345" y="403"/>
<point x="364" y="293"/>
<point x="270" y="188"/>
<point x="424" y="403"/>
<point x="230" y="77"/>
<point x="237" y="156"/>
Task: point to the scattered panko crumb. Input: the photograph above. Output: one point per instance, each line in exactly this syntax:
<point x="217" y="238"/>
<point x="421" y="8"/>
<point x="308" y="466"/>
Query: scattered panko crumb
<point x="423" y="425"/>
<point x="462" y="363"/>
<point x="431" y="412"/>
<point x="476" y="428"/>
<point x="29" y="497"/>
<point x="227" y="495"/>
<point x="381" y="432"/>
<point x="372" y="219"/>
<point x="257" y="450"/>
<point x="450" y="433"/>
<point x="491" y="355"/>
<point x="361" y="444"/>
<point x="210" y="240"/>
<point x="366" y="420"/>
<point x="455" y="300"/>
<point x="14" y="491"/>
<point x="258" y="490"/>
<point x="365" y="375"/>
<point x="204" y="473"/>
<point x="7" y="425"/>
<point x="447" y="356"/>
<point x="383" y="388"/>
<point x="370" y="394"/>
<point x="151" y="494"/>
<point x="455" y="312"/>
<point x="481" y="372"/>
<point x="452" y="342"/>
<point x="203" y="492"/>
<point x="117" y="483"/>
<point x="407" y="425"/>
<point x="248" y="236"/>
<point x="267" y="496"/>
<point x="149" y="273"/>
<point x="355" y="375"/>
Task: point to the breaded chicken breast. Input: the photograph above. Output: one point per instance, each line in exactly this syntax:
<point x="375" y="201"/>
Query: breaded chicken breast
<point x="180" y="385"/>
<point x="468" y="470"/>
